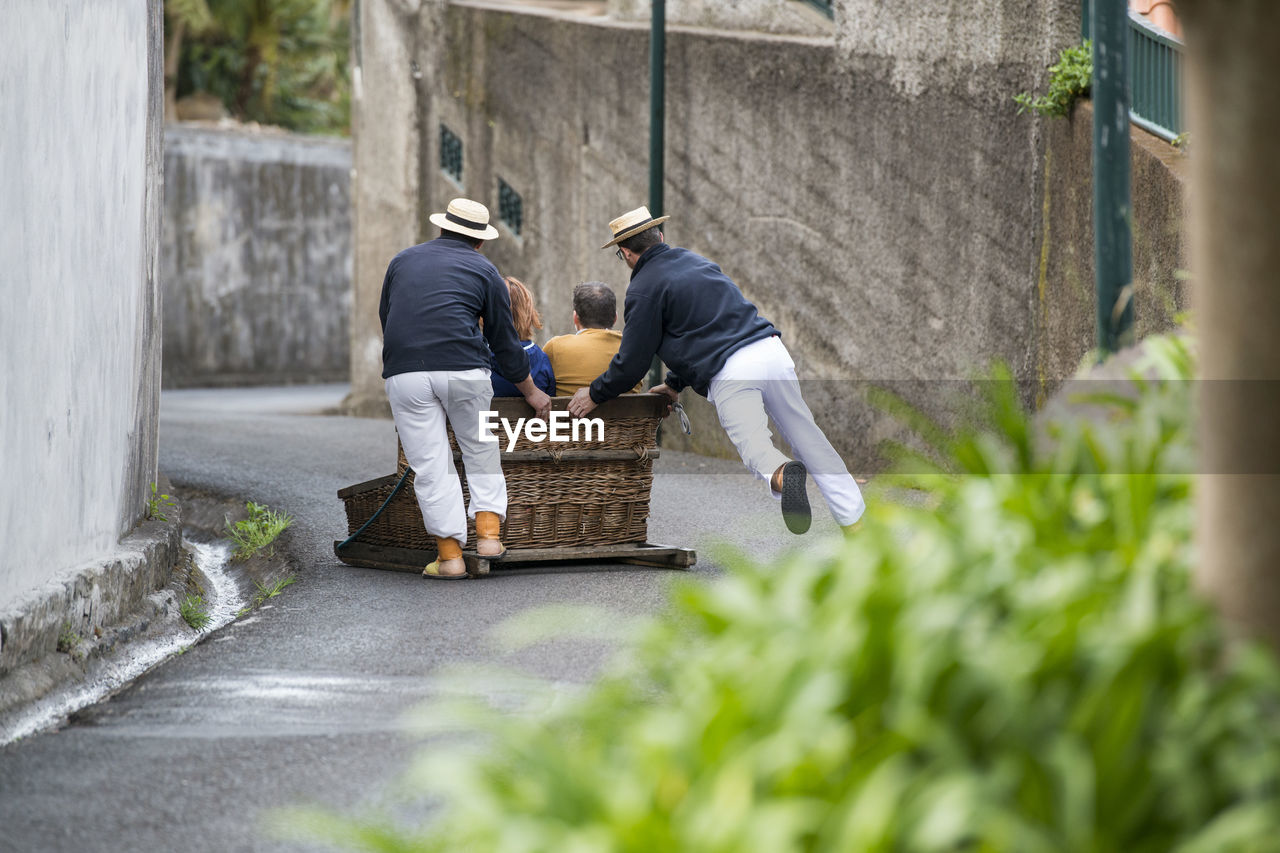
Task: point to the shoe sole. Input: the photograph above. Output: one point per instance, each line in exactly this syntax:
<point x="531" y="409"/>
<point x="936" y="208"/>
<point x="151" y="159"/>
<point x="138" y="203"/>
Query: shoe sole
<point x="795" y="498"/>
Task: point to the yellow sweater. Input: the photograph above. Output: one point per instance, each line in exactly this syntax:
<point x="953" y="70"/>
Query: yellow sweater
<point x="578" y="359"/>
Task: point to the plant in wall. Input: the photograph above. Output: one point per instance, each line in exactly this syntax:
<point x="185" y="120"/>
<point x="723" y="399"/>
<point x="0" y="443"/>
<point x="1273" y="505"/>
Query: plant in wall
<point x="69" y="640"/>
<point x="157" y="505"/>
<point x="1069" y="79"/>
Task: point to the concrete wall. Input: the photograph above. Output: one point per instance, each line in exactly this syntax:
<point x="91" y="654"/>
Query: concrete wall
<point x="80" y="168"/>
<point x="1065" y="287"/>
<point x="779" y="17"/>
<point x="872" y="190"/>
<point x="256" y="258"/>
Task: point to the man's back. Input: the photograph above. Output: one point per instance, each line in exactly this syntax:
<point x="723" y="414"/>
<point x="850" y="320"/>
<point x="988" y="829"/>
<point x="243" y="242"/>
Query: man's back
<point x="432" y="296"/>
<point x="579" y="358"/>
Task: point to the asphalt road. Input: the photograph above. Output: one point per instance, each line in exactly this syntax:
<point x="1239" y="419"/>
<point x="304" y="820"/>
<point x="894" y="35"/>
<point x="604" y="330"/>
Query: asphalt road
<point x="304" y="701"/>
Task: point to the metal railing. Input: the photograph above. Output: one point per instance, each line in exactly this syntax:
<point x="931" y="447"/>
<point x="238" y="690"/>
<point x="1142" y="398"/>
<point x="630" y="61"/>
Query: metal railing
<point x="826" y="7"/>
<point x="1155" y="76"/>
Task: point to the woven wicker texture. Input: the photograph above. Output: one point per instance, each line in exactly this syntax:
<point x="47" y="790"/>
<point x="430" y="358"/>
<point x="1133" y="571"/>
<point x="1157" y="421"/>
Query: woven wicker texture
<point x="619" y="434"/>
<point x="551" y="502"/>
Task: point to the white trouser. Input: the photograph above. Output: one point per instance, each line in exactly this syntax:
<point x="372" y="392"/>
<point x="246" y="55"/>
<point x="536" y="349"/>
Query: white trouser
<point x="759" y="382"/>
<point x="420" y="402"/>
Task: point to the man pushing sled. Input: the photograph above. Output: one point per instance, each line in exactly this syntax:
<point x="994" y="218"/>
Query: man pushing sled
<point x="683" y="308"/>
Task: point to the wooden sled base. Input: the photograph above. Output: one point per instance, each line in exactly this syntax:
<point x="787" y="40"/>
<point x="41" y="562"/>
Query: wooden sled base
<point x="367" y="556"/>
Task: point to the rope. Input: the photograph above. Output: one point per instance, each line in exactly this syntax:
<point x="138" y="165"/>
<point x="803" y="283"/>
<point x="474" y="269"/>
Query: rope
<point x="372" y="518"/>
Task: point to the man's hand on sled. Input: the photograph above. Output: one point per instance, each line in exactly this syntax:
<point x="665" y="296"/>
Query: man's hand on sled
<point x="535" y="397"/>
<point x="540" y="402"/>
<point x="672" y="395"/>
<point x="581" y="404"/>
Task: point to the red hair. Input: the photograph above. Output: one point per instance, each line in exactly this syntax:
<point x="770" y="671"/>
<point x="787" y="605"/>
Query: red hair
<point x="523" y="314"/>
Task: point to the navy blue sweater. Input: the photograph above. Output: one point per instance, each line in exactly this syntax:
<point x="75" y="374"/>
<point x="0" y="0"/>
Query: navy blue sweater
<point x="682" y="307"/>
<point x="544" y="378"/>
<point x="432" y="296"/>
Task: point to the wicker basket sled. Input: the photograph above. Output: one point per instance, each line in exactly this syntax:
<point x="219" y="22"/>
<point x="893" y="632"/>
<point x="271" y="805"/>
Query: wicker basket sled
<point x="575" y="500"/>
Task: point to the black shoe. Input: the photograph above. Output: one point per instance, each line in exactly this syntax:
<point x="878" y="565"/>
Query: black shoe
<point x="795" y="498"/>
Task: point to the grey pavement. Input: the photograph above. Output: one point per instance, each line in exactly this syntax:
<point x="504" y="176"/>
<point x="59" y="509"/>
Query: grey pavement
<point x="304" y="701"/>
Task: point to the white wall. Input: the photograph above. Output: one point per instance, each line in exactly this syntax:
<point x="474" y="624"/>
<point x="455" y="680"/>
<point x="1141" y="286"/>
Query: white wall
<point x="79" y="195"/>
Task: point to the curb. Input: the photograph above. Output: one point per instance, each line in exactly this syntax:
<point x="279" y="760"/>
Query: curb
<point x="86" y="611"/>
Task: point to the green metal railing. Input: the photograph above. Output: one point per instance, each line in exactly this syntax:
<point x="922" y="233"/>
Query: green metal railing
<point x="1155" y="75"/>
<point x="826" y="7"/>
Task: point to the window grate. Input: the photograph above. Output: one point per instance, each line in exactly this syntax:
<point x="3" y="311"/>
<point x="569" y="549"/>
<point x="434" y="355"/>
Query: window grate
<point x="510" y="207"/>
<point x="450" y="154"/>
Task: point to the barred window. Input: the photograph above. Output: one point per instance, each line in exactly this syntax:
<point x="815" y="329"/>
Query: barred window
<point x="450" y="154"/>
<point x="510" y="207"/>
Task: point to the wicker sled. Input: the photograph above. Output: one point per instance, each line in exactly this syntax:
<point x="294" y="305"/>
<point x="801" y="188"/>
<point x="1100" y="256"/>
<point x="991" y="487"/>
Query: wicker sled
<point x="566" y="501"/>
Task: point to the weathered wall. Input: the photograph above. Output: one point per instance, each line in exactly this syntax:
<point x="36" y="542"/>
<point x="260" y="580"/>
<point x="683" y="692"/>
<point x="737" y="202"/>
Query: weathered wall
<point x="256" y="259"/>
<point x="1065" y="288"/>
<point x="872" y="190"/>
<point x="779" y="17"/>
<point x="80" y="168"/>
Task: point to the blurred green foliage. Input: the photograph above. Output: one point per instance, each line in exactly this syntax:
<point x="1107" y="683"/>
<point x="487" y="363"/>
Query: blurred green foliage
<point x="1018" y="664"/>
<point x="278" y="62"/>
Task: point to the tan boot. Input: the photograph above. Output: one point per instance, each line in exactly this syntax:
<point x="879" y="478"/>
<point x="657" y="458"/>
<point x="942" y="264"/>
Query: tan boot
<point x="489" y="535"/>
<point x="448" y="565"/>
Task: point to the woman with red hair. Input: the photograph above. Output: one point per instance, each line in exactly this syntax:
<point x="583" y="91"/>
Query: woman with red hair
<point x="525" y="318"/>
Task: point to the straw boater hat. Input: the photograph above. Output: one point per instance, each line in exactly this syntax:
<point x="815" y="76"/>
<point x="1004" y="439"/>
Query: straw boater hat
<point x="631" y="223"/>
<point x="466" y="217"/>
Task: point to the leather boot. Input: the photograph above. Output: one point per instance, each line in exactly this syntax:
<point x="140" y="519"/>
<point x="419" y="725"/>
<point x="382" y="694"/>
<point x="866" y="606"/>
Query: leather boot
<point x="489" y="535"/>
<point x="448" y="565"/>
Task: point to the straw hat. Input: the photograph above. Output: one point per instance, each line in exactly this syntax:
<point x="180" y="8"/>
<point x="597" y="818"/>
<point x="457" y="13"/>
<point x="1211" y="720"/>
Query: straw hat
<point x="631" y="223"/>
<point x="466" y="217"/>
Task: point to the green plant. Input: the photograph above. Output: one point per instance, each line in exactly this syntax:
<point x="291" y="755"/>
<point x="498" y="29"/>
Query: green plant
<point x="1069" y="78"/>
<point x="271" y="591"/>
<point x="1019" y="663"/>
<point x="283" y="62"/>
<point x="253" y="534"/>
<point x="68" y="639"/>
<point x="195" y="612"/>
<point x="158" y="505"/>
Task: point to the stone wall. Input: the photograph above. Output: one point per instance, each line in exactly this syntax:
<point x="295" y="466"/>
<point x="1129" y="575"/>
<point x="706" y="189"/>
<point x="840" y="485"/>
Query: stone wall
<point x="872" y="190"/>
<point x="80" y="167"/>
<point x="1065" y="287"/>
<point x="256" y="258"/>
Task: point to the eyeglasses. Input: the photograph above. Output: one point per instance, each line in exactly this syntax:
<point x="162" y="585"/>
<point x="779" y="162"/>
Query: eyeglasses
<point x="618" y="252"/>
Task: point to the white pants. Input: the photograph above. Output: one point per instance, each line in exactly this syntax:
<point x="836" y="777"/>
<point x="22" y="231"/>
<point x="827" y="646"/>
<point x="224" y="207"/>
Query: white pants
<point x="420" y="402"/>
<point x="759" y="382"/>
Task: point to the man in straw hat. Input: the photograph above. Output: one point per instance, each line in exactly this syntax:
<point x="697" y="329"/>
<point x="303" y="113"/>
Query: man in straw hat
<point x="681" y="306"/>
<point x="436" y="366"/>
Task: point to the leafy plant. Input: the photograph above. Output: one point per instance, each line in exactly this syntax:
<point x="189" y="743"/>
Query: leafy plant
<point x="1069" y="78"/>
<point x="257" y="532"/>
<point x="1020" y="663"/>
<point x="195" y="612"/>
<point x="158" y="505"/>
<point x="266" y="592"/>
<point x="68" y="639"/>
<point x="283" y="62"/>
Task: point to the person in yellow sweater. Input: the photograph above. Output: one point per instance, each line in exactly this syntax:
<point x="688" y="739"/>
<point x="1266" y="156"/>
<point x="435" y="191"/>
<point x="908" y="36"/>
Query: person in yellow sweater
<point x="578" y="359"/>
